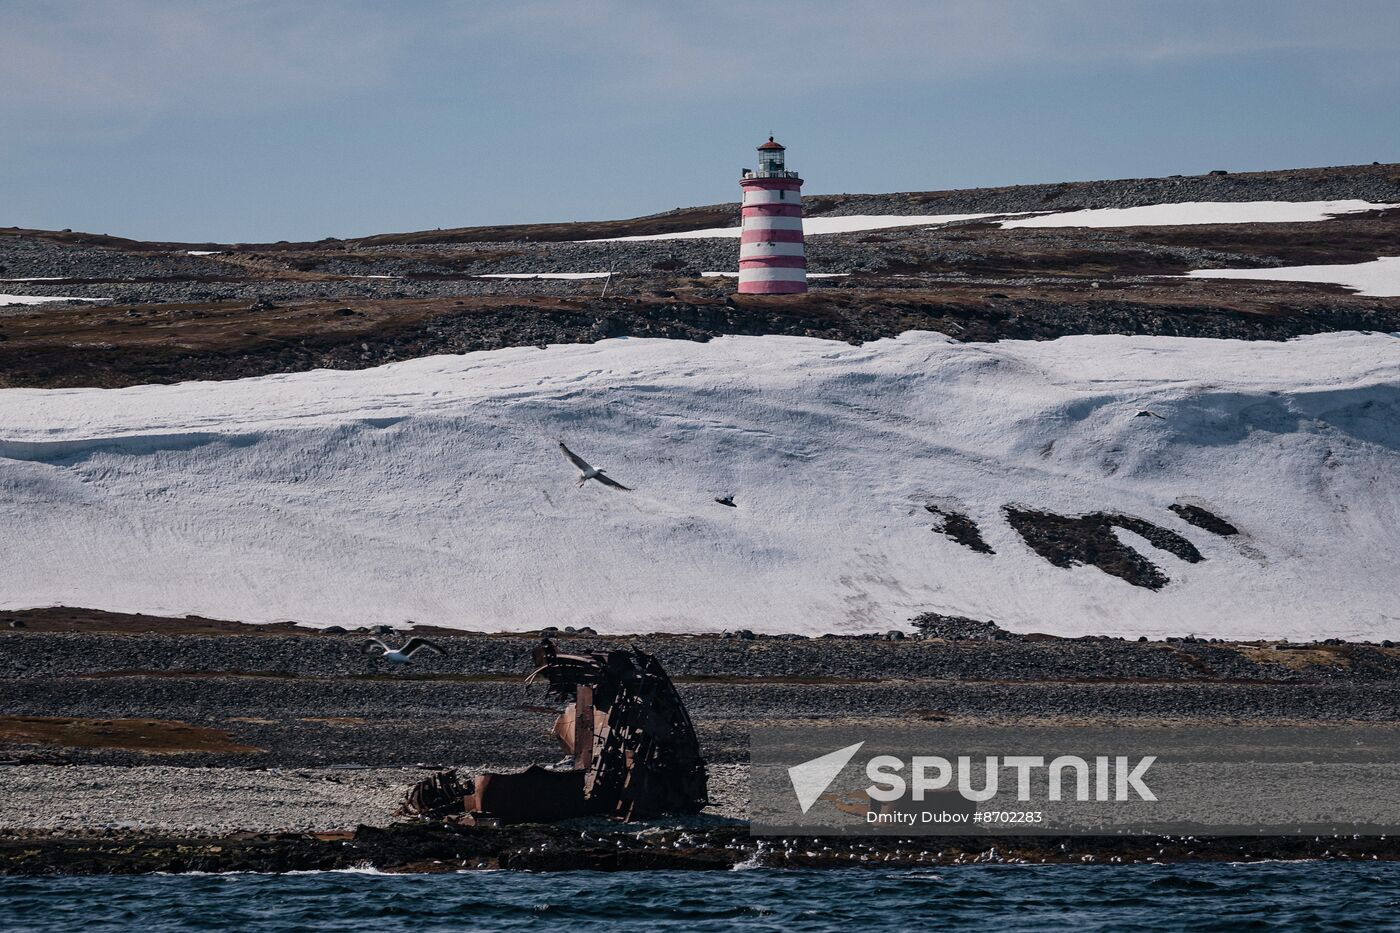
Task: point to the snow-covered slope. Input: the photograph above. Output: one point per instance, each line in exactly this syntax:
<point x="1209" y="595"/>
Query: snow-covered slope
<point x="433" y="490"/>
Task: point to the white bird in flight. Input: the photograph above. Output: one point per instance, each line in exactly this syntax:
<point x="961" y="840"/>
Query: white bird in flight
<point x="401" y="655"/>
<point x="590" y="472"/>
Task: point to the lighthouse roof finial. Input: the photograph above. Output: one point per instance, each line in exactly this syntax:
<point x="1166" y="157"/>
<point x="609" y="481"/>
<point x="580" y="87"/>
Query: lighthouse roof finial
<point x="770" y="145"/>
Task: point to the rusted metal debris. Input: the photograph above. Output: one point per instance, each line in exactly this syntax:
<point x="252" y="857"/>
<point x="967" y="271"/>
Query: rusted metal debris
<point x="633" y="747"/>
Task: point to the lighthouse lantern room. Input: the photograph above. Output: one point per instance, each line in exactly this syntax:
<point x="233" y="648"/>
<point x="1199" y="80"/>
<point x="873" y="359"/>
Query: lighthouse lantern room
<point x="771" y="257"/>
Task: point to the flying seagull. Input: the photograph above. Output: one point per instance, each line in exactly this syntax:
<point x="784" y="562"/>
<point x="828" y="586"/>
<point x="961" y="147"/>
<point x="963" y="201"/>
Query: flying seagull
<point x="590" y="472"/>
<point x="401" y="655"/>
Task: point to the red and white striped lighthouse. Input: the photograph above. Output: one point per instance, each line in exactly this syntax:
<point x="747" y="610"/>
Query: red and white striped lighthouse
<point x="771" y="258"/>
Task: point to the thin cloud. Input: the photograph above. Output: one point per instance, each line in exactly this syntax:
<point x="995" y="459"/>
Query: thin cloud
<point x="140" y="57"/>
<point x="720" y="48"/>
<point x="107" y="60"/>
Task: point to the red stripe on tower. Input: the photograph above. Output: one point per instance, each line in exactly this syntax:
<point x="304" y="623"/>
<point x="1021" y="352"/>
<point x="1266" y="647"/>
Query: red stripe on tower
<point x="771" y="255"/>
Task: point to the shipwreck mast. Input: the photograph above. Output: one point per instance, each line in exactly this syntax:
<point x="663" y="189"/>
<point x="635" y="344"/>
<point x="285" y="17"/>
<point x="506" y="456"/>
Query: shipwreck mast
<point x="771" y="256"/>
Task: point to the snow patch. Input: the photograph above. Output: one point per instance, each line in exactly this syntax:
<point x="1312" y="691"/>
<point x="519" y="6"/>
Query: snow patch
<point x="39" y="299"/>
<point x="1201" y="212"/>
<point x="1379" y="278"/>
<point x="433" y="489"/>
<point x="545" y="275"/>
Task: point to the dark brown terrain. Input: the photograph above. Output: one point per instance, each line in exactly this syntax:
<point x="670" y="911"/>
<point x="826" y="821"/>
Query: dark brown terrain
<point x="130" y="345"/>
<point x="255" y="309"/>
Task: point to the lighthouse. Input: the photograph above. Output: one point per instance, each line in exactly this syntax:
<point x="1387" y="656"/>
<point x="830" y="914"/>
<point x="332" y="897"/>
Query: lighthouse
<point x="771" y="259"/>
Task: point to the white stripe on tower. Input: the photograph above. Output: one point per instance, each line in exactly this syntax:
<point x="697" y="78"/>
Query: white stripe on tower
<point x="762" y="249"/>
<point x="780" y="196"/>
<point x="770" y="274"/>
<point x="759" y="222"/>
<point x="771" y="255"/>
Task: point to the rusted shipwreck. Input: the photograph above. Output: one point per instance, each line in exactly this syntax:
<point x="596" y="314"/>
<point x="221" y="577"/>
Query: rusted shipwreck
<point x="632" y="750"/>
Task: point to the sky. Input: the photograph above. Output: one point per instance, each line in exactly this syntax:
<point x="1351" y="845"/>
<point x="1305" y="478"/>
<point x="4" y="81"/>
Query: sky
<point x="261" y="120"/>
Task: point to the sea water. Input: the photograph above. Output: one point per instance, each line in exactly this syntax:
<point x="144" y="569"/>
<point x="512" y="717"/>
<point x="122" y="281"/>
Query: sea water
<point x="1267" y="896"/>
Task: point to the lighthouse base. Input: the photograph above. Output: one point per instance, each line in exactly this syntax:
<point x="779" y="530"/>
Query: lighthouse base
<point x="771" y="288"/>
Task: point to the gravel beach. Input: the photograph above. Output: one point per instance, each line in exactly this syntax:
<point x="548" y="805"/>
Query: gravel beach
<point x="160" y="798"/>
<point x="262" y="729"/>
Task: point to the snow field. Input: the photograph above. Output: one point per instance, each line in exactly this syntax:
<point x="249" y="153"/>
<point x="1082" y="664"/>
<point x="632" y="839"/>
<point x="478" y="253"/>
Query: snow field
<point x="433" y="490"/>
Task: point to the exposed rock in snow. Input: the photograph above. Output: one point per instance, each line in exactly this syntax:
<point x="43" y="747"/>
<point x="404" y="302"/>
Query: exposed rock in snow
<point x="1072" y="541"/>
<point x="434" y="490"/>
<point x="958" y="527"/>
<point x="1204" y="518"/>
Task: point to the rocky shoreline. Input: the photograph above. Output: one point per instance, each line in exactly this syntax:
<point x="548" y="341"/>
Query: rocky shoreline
<point x="436" y="849"/>
<point x="133" y="743"/>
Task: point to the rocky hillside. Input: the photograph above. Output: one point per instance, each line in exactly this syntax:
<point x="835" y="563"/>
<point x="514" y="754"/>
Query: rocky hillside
<point x="163" y="312"/>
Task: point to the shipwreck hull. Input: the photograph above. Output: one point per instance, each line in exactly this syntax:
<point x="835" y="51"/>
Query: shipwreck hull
<point x="632" y="750"/>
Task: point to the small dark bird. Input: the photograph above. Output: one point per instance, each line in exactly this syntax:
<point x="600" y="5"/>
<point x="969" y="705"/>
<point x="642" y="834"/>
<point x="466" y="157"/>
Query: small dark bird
<point x="401" y="655"/>
<point x="589" y="472"/>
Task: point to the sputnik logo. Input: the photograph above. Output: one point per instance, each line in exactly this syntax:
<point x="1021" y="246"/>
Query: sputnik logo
<point x="811" y="778"/>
